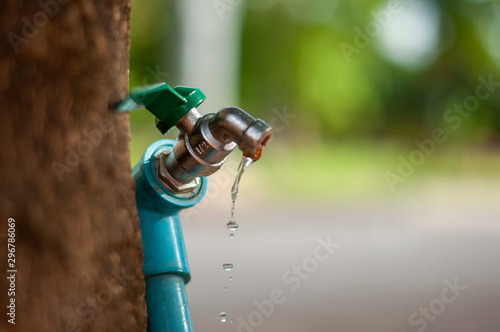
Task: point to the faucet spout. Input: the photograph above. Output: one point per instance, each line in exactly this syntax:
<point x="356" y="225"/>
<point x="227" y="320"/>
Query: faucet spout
<point x="232" y="124"/>
<point x="205" y="142"/>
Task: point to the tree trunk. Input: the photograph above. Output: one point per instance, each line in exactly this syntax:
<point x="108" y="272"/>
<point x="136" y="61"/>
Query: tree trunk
<point x="65" y="171"/>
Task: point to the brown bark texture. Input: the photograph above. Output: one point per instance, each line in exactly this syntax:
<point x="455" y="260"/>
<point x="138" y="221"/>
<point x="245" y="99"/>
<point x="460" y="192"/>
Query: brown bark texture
<point x="65" y="171"/>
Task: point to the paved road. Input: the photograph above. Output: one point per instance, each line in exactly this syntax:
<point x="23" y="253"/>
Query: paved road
<point x="424" y="260"/>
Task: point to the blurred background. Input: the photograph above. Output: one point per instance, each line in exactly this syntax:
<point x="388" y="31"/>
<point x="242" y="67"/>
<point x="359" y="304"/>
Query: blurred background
<point x="386" y="118"/>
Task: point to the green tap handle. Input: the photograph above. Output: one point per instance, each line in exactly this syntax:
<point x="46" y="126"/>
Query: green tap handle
<point x="167" y="104"/>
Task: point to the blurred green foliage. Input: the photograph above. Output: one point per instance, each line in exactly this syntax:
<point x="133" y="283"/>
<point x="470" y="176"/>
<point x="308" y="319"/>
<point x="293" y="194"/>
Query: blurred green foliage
<point x="291" y="57"/>
<point x="298" y="63"/>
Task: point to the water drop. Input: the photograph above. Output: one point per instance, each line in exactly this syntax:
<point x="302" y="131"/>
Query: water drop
<point x="227" y="266"/>
<point x="223" y="317"/>
<point x="231" y="235"/>
<point x="230" y="278"/>
<point x="231" y="321"/>
<point x="225" y="289"/>
<point x="232" y="225"/>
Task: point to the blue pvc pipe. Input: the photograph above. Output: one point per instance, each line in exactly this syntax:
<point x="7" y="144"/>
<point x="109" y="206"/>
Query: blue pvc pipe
<point x="165" y="266"/>
<point x="168" y="309"/>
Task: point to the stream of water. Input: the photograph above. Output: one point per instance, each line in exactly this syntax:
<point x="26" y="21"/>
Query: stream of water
<point x="232" y="225"/>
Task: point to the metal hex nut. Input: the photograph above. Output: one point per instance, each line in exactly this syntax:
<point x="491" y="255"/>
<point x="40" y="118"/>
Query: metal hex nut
<point x="168" y="181"/>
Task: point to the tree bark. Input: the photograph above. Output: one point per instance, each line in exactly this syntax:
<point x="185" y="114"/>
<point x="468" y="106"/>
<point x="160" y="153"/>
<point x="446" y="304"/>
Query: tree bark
<point x="65" y="171"/>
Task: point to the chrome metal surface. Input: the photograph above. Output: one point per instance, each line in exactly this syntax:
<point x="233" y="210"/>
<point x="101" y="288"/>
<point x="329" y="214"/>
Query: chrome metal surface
<point x="205" y="142"/>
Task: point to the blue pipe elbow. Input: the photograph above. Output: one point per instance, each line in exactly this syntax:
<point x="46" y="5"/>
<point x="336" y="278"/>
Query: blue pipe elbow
<point x="165" y="266"/>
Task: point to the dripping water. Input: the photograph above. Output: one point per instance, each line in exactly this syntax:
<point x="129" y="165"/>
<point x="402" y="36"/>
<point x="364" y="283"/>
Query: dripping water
<point x="232" y="225"/>
<point x="245" y="162"/>
<point x="223" y="317"/>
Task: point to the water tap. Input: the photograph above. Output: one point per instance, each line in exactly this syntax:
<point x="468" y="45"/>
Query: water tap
<point x="204" y="142"/>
